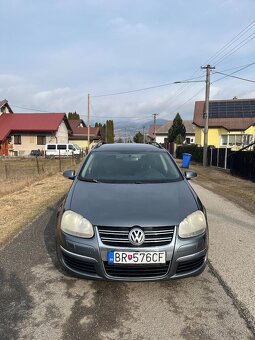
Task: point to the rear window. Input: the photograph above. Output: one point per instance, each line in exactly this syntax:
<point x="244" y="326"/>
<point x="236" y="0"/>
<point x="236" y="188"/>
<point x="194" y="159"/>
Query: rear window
<point x="51" y="147"/>
<point x="129" y="167"/>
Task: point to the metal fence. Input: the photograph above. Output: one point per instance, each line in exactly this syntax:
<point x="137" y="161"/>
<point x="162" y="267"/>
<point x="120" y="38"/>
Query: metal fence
<point x="242" y="164"/>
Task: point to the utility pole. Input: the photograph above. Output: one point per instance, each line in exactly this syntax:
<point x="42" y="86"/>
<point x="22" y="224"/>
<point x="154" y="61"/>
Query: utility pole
<point x="88" y="122"/>
<point x="206" y="113"/>
<point x="143" y="135"/>
<point x="154" y="129"/>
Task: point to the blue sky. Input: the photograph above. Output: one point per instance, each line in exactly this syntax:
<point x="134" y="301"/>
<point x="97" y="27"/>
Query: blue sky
<point x="55" y="52"/>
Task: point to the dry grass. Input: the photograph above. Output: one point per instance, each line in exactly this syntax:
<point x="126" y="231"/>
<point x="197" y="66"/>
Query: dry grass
<point x="25" y="196"/>
<point x="21" y="207"/>
<point x="16" y="174"/>
<point x="18" y="208"/>
<point x="220" y="181"/>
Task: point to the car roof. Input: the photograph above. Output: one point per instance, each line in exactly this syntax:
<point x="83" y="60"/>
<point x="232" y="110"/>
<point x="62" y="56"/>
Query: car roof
<point x="128" y="147"/>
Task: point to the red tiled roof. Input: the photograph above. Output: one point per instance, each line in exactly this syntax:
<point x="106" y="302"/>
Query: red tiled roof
<point x="75" y="124"/>
<point x="80" y="132"/>
<point x="151" y="130"/>
<point x="30" y="122"/>
<point x="83" y="133"/>
<point x="227" y="123"/>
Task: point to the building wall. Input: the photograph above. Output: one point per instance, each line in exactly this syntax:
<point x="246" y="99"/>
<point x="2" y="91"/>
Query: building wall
<point x="62" y="134"/>
<point x="214" y="135"/>
<point x="160" y="139"/>
<point x="29" y="141"/>
<point x="83" y="144"/>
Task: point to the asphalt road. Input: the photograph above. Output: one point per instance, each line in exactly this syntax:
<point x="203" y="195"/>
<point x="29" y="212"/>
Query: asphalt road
<point x="38" y="301"/>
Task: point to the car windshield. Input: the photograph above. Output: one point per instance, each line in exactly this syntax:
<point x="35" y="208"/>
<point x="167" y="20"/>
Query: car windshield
<point x="130" y="167"/>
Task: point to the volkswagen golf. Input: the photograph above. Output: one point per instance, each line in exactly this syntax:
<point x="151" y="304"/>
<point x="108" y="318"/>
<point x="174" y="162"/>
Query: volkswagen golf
<point x="131" y="215"/>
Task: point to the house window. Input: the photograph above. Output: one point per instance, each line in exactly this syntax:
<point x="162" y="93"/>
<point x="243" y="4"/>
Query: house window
<point x="224" y="140"/>
<point x="236" y="140"/>
<point x="17" y="139"/>
<point x="41" y="140"/>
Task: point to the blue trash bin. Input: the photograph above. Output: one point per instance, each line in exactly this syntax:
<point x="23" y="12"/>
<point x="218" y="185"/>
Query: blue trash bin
<point x="186" y="157"/>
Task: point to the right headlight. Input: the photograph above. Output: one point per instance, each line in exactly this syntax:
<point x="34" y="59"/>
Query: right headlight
<point x="76" y="225"/>
<point x="193" y="225"/>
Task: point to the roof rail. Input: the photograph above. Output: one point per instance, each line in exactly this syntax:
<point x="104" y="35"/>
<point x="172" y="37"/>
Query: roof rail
<point x="156" y="144"/>
<point x="100" y="143"/>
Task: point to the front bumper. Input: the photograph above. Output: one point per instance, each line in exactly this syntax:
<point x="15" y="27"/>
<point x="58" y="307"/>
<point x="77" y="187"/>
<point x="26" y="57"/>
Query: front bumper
<point x="87" y="258"/>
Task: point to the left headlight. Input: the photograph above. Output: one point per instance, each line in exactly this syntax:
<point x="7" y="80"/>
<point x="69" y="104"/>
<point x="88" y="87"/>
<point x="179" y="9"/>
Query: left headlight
<point x="193" y="225"/>
<point x="75" y="224"/>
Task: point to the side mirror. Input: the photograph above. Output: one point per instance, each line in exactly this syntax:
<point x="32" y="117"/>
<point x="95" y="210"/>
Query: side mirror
<point x="190" y="174"/>
<point x="70" y="174"/>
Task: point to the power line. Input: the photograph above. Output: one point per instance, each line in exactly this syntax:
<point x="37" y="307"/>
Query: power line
<point x="228" y="75"/>
<point x="30" y="109"/>
<point x="236" y="48"/>
<point x="238" y="67"/>
<point x="140" y="89"/>
<point x="231" y="42"/>
<point x="241" y="69"/>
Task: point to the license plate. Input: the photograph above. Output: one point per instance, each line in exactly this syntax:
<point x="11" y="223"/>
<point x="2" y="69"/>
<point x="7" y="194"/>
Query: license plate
<point x="124" y="257"/>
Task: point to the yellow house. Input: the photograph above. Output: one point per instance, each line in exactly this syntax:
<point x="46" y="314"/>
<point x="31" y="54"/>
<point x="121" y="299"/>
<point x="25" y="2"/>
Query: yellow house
<point x="231" y="123"/>
<point x="79" y="134"/>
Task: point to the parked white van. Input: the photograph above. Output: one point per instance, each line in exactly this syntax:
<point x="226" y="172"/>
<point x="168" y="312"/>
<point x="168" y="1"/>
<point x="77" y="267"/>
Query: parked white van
<point x="62" y="149"/>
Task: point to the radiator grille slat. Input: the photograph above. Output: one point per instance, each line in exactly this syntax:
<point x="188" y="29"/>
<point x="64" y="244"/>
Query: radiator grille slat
<point x="136" y="271"/>
<point x="118" y="236"/>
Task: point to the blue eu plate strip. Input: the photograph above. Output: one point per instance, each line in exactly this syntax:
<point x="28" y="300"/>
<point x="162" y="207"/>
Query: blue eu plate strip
<point x="111" y="257"/>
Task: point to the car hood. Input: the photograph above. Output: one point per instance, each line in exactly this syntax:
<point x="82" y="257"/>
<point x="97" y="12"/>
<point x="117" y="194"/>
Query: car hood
<point x="108" y="204"/>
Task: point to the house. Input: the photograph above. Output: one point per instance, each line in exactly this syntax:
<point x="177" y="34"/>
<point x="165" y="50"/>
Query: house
<point x="79" y="133"/>
<point x="231" y="122"/>
<point x="22" y="132"/>
<point x="152" y="131"/>
<point x="5" y="107"/>
<point x="162" y="132"/>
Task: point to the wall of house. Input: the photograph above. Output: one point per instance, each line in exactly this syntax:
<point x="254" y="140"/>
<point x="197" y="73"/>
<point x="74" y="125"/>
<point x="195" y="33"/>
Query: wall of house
<point x="199" y="136"/>
<point x="28" y="143"/>
<point x="214" y="135"/>
<point x="251" y="131"/>
<point x="83" y="144"/>
<point x="62" y="134"/>
<point x="160" y="139"/>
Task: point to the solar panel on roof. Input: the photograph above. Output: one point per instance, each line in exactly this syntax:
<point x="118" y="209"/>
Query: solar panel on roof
<point x="232" y="109"/>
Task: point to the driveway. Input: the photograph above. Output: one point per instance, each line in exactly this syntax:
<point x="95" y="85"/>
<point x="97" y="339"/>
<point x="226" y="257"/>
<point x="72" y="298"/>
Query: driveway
<point x="38" y="301"/>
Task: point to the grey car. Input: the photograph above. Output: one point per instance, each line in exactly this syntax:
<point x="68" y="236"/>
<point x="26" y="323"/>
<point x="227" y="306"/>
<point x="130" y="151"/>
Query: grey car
<point x="131" y="215"/>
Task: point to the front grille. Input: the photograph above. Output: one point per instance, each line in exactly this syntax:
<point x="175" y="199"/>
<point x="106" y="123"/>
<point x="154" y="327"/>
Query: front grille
<point x="141" y="271"/>
<point x="79" y="265"/>
<point x="118" y="236"/>
<point x="188" y="266"/>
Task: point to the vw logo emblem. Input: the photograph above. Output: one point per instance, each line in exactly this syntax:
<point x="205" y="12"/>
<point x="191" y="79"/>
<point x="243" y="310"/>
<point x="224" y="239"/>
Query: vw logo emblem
<point x="136" y="236"/>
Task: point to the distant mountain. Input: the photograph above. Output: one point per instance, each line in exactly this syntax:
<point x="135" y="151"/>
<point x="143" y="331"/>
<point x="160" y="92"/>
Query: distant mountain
<point x="127" y="129"/>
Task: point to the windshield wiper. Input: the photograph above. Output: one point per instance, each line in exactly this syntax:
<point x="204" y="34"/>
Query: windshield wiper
<point x="93" y="180"/>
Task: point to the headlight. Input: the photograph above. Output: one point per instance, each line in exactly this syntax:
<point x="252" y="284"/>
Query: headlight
<point x="75" y="224"/>
<point x="192" y="225"/>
